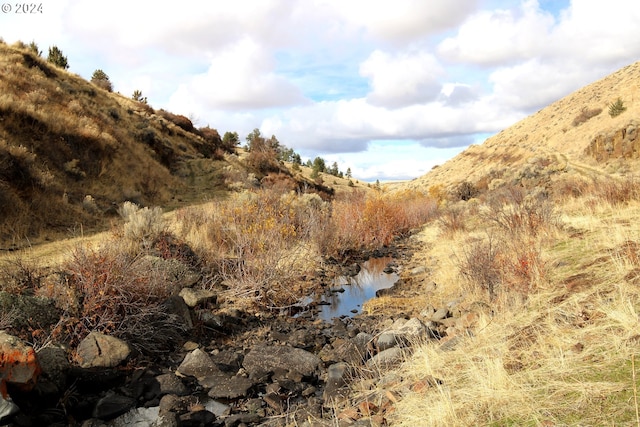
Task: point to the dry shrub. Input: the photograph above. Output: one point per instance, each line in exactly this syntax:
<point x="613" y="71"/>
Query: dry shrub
<point x="452" y="219"/>
<point x="518" y="212"/>
<point x="121" y="295"/>
<point x="260" y="242"/>
<point x="366" y="221"/>
<point x="616" y="192"/>
<point x="585" y="115"/>
<point x="19" y="276"/>
<point x="480" y="264"/>
<point x="142" y="225"/>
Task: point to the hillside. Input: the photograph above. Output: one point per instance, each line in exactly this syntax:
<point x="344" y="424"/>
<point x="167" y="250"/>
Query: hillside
<point x="573" y="134"/>
<point x="72" y="152"/>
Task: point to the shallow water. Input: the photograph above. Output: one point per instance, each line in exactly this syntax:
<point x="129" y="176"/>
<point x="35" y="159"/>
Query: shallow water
<point x="358" y="289"/>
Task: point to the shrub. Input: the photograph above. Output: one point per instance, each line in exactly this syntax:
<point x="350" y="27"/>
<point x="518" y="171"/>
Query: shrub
<point x="178" y="120"/>
<point x="586" y="114"/>
<point x="466" y="191"/>
<point x="518" y="212"/>
<point x="616" y="108"/>
<point x="480" y="264"/>
<point x="100" y="79"/>
<point x="57" y="58"/>
<point x="142" y="225"/>
<point x="137" y="96"/>
<point x="121" y="295"/>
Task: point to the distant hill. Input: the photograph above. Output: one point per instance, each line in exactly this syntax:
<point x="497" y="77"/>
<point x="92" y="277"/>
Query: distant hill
<point x="575" y="134"/>
<point x="71" y="152"/>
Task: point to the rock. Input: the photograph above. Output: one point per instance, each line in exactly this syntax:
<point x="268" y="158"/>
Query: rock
<point x="198" y="364"/>
<point x="7" y="409"/>
<point x="225" y="387"/>
<point x="171" y="384"/>
<point x="352" y="270"/>
<point x="418" y="271"/>
<point x="113" y="405"/>
<point x="176" y="306"/>
<point x="28" y="311"/>
<point x="413" y="329"/>
<point x="219" y="409"/>
<point x="98" y="350"/>
<point x="389" y="339"/>
<point x="244" y="419"/>
<point x="263" y="359"/>
<point x="18" y="364"/>
<point x="195" y="297"/>
<point x="440" y="314"/>
<point x="140" y="417"/>
<point x="198" y="418"/>
<point x="386" y="359"/>
<point x="336" y="379"/>
<point x="55" y="365"/>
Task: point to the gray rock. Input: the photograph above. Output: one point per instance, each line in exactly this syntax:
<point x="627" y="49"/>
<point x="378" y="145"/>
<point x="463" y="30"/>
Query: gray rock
<point x="198" y="364"/>
<point x="176" y="306"/>
<point x="386" y="359"/>
<point x="29" y="311"/>
<point x="336" y="380"/>
<point x="195" y="297"/>
<point x="389" y="339"/>
<point x="113" y="405"/>
<point x="140" y="417"/>
<point x="440" y="314"/>
<point x="262" y="359"/>
<point x="219" y="409"/>
<point x="222" y="386"/>
<point x="413" y="329"/>
<point x="55" y="365"/>
<point x="171" y="384"/>
<point x="98" y="350"/>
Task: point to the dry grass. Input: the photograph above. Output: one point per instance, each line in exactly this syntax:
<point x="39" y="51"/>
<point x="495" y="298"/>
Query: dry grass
<point x="559" y="352"/>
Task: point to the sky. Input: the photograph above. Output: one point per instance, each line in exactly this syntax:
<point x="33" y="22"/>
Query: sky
<point x="386" y="88"/>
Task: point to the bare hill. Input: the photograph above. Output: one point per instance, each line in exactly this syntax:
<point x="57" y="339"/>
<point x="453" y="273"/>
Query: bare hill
<point x="573" y="134"/>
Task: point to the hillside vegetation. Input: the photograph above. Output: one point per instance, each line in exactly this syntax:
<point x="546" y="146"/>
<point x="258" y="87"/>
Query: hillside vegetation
<point x="536" y="255"/>
<point x="72" y="151"/>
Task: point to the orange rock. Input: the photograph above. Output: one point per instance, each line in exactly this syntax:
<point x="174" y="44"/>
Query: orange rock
<point x="18" y="363"/>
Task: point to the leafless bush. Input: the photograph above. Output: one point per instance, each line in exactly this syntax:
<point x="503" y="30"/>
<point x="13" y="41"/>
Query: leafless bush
<point x="118" y="294"/>
<point x="480" y="264"/>
<point x="516" y="211"/>
<point x="585" y="115"/>
<point x="452" y="219"/>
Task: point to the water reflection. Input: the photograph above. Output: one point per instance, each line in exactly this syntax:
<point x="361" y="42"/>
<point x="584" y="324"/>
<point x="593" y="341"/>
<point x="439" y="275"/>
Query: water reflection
<point x="358" y="289"/>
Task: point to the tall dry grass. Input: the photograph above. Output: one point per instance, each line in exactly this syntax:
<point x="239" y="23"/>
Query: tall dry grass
<point x="263" y="242"/>
<point x="562" y="356"/>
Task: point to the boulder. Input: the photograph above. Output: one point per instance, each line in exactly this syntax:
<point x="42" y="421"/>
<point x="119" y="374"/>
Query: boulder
<point x="176" y="306"/>
<point x="263" y="359"/>
<point x="98" y="350"/>
<point x="112" y="406"/>
<point x="195" y="297"/>
<point x="386" y="359"/>
<point x="18" y="363"/>
<point x="198" y="364"/>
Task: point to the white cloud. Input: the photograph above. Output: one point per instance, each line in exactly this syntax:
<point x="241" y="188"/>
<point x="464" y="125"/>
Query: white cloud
<point x="239" y="77"/>
<point x="402" y="79"/>
<point x="400" y="20"/>
<point x="500" y="36"/>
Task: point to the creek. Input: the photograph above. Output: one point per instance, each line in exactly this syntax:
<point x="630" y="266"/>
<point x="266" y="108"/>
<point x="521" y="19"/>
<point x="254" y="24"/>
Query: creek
<point x="347" y="294"/>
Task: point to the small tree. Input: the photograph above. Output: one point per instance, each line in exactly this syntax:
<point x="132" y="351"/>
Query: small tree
<point x="616" y="108"/>
<point x="348" y="175"/>
<point x="33" y="47"/>
<point x="57" y="58"/>
<point x="100" y="79"/>
<point x="137" y="96"/>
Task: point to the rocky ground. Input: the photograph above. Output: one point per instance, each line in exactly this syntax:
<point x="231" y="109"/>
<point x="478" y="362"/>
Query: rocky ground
<point x="234" y="368"/>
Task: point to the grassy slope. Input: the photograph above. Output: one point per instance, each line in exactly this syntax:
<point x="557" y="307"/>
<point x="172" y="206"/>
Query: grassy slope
<point x="564" y="351"/>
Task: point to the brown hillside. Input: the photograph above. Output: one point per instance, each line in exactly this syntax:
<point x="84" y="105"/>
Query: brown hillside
<point x="567" y="136"/>
<point x="70" y="151"/>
